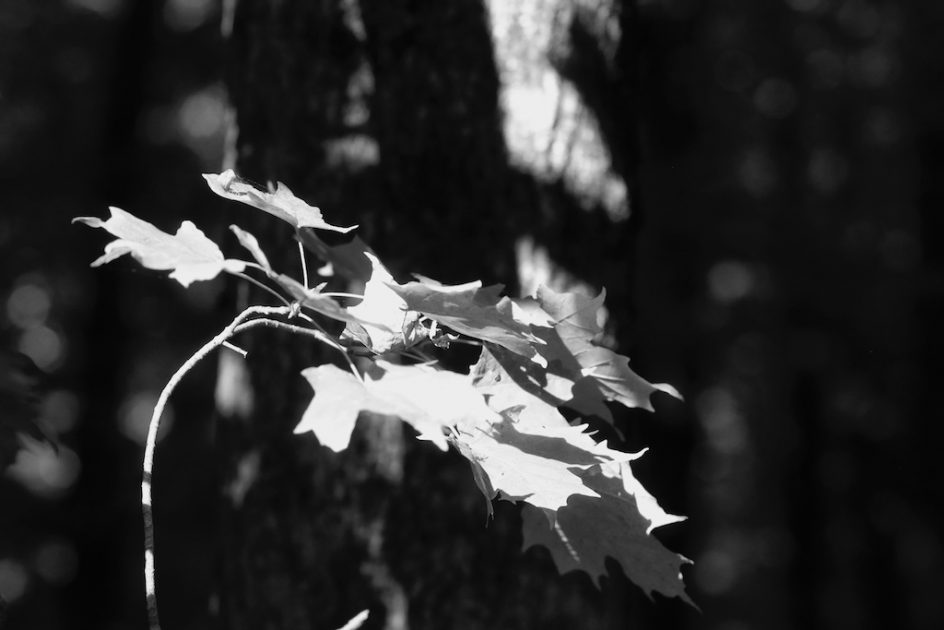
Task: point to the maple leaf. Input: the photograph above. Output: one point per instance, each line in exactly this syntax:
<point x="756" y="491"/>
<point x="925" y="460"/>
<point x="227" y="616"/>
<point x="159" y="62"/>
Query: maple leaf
<point x="430" y="400"/>
<point x="508" y="380"/>
<point x="281" y="203"/>
<point x="347" y="260"/>
<point x="313" y="298"/>
<point x="189" y="254"/>
<point x="596" y="370"/>
<point x="472" y="310"/>
<point x="382" y="304"/>
<point x="539" y="467"/>
<point x="618" y="524"/>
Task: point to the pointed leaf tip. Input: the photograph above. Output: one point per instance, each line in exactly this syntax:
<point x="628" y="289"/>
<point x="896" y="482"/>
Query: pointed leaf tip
<point x="598" y="373"/>
<point x="249" y="242"/>
<point x="189" y="255"/>
<point x="617" y="524"/>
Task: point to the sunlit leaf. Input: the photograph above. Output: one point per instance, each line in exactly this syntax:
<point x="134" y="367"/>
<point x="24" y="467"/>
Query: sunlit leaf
<point x="573" y="342"/>
<point x="617" y="524"/>
<point x="508" y="380"/>
<point x="430" y="400"/>
<point x="281" y="203"/>
<point x="382" y="305"/>
<point x="472" y="310"/>
<point x="249" y="242"/>
<point x="538" y="467"/>
<point x="188" y="254"/>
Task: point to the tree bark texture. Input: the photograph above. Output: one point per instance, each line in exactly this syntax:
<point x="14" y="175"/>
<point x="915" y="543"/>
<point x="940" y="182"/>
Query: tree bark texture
<point x="387" y="114"/>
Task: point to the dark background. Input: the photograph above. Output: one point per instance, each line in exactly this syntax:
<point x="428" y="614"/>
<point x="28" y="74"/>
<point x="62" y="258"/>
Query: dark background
<point x="787" y="279"/>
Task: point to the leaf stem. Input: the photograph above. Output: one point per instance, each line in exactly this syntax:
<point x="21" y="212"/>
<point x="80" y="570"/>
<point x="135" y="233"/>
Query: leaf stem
<point x="262" y="286"/>
<point x="301" y="256"/>
<point x="343" y="294"/>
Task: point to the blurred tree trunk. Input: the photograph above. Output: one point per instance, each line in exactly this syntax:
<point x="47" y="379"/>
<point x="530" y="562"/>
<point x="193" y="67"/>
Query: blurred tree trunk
<point x="386" y="114"/>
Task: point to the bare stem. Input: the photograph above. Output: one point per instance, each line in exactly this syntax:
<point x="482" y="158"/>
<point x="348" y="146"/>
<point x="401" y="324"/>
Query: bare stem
<point x="151" y="443"/>
<point x="242" y="322"/>
<point x="235" y="349"/>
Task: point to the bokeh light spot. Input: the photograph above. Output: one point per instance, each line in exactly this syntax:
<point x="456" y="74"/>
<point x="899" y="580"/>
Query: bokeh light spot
<point x="874" y="67"/>
<point x="56" y="561"/>
<point x="134" y="416"/>
<point x="722" y="422"/>
<point x="729" y="281"/>
<point x="44" y="472"/>
<point x="757" y="172"/>
<point x="60" y="411"/>
<point x="827" y="170"/>
<point x="14" y="580"/>
<point x="201" y="114"/>
<point x="806" y="6"/>
<point x="186" y="15"/>
<point x="44" y="346"/>
<point x="104" y="8"/>
<point x="715" y="572"/>
<point x="775" y="98"/>
<point x="28" y="305"/>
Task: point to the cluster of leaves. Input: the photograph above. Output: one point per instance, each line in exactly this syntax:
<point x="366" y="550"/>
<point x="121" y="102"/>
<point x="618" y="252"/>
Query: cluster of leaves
<point x="538" y="354"/>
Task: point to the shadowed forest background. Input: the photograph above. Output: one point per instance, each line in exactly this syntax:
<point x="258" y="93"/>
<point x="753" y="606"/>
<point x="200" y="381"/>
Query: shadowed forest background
<point x="758" y="185"/>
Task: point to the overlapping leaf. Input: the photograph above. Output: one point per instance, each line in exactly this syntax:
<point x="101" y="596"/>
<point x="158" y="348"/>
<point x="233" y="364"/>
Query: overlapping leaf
<point x="188" y="254"/>
<point x="472" y="310"/>
<point x="539" y="467"/>
<point x="572" y="343"/>
<point x="281" y="203"/>
<point x="347" y="260"/>
<point x="508" y="380"/>
<point x="432" y="401"/>
<point x="308" y="297"/>
<point x="617" y="524"/>
<point x="398" y="327"/>
<point x="313" y="298"/>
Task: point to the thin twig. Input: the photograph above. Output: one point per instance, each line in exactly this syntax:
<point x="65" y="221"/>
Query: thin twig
<point x="238" y="325"/>
<point x="151" y="443"/>
<point x="235" y="349"/>
<point x="301" y="330"/>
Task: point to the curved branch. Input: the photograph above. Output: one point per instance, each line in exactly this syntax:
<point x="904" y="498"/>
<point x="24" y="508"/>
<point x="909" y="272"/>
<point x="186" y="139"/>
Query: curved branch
<point x="151" y="442"/>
